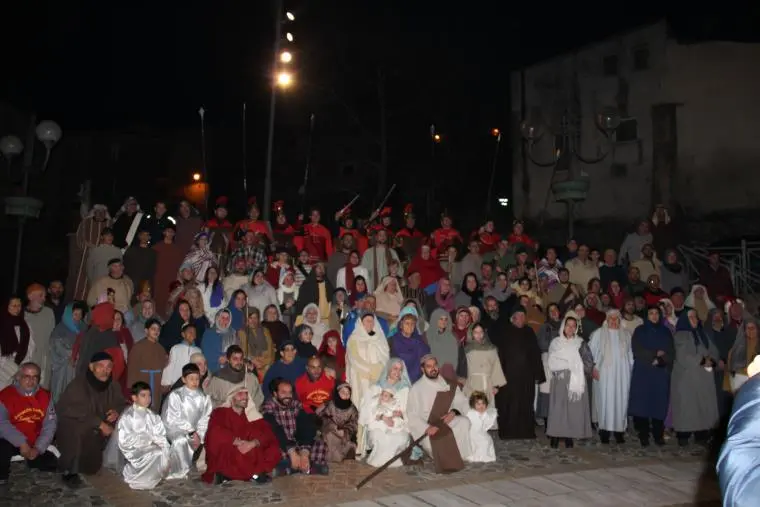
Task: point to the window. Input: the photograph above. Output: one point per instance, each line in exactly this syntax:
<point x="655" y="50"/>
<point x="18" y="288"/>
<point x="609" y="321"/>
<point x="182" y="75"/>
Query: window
<point x="610" y="65"/>
<point x="627" y="131"/>
<point x="641" y="58"/>
<point x="618" y="170"/>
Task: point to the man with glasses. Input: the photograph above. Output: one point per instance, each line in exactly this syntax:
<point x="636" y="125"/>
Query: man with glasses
<point x="27" y="423"/>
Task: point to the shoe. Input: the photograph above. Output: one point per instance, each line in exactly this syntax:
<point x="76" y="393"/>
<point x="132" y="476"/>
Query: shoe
<point x="281" y="470"/>
<point x="319" y="470"/>
<point x="619" y="438"/>
<point x="350" y="455"/>
<point x="659" y="442"/>
<point x="644" y="442"/>
<point x="260" y="479"/>
<point x="72" y="480"/>
<point x="220" y="479"/>
<point x="554" y="442"/>
<point x="569" y="443"/>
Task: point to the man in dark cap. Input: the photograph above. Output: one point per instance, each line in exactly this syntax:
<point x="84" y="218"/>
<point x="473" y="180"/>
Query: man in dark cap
<point x="87" y="414"/>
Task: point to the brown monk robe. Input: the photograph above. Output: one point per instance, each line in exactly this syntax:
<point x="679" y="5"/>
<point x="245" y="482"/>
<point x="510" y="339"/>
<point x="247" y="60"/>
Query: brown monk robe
<point x="169" y="257"/>
<point x="147" y="361"/>
<point x="437" y="403"/>
<point x="87" y="412"/>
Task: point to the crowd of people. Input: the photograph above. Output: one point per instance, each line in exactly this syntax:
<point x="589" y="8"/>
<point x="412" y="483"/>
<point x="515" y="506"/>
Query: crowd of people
<point x="251" y="350"/>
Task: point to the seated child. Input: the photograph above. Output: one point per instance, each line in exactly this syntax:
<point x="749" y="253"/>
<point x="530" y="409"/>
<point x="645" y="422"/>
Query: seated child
<point x="340" y="422"/>
<point x="186" y="414"/>
<point x="387" y="428"/>
<point x="142" y="441"/>
<point x="481" y="420"/>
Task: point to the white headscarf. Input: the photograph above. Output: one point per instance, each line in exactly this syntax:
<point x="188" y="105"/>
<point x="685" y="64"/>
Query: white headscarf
<point x="564" y="355"/>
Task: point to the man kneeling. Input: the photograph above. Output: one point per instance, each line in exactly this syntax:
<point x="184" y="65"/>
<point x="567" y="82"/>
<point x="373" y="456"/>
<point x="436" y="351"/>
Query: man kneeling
<point x="435" y="409"/>
<point x="238" y="449"/>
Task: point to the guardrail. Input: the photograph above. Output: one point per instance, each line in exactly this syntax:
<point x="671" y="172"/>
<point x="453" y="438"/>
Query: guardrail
<point x="742" y="261"/>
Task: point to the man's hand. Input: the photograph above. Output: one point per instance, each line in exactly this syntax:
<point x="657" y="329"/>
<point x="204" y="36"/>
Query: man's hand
<point x="494" y="390"/>
<point x="448" y="417"/>
<point x="195" y="441"/>
<point x="247" y="446"/>
<point x="112" y="416"/>
<point x="222" y="359"/>
<point x="289" y="303"/>
<point x="431" y="431"/>
<point x="595" y="374"/>
<point x="33" y="454"/>
<point x="25" y="450"/>
<point x="106" y="429"/>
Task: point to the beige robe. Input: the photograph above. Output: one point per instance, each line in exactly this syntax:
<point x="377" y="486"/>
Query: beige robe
<point x="484" y="372"/>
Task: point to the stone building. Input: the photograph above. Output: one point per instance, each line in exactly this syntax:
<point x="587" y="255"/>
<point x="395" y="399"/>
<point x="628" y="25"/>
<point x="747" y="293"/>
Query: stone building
<point x="688" y="114"/>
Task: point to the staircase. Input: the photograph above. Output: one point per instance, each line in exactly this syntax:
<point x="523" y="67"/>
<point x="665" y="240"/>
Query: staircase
<point x="742" y="261"/>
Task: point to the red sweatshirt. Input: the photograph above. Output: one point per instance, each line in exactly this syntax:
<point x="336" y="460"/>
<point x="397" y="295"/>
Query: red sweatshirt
<point x="314" y="394"/>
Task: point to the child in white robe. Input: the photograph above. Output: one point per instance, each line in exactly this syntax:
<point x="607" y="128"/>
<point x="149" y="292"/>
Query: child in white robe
<point x="179" y="355"/>
<point x="388" y="432"/>
<point x="481" y="419"/>
<point x="186" y="414"/>
<point x="142" y="441"/>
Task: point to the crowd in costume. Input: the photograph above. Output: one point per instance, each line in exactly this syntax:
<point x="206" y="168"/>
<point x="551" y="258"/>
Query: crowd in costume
<point x="248" y="351"/>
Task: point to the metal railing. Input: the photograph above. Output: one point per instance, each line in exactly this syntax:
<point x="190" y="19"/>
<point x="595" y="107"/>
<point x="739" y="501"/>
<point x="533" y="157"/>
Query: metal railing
<point x="742" y="261"/>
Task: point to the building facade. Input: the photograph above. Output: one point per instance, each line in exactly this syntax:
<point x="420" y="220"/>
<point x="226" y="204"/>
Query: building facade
<point x="687" y="134"/>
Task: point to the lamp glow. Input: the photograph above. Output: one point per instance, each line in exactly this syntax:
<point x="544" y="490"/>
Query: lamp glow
<point x="289" y="36"/>
<point x="286" y="57"/>
<point x="284" y="79"/>
<point x="290" y="16"/>
<point x="437" y="138"/>
<point x="495" y="132"/>
<point x="196" y="176"/>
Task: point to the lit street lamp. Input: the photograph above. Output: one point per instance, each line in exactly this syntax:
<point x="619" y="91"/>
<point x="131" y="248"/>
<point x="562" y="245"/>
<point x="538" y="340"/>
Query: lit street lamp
<point x="48" y="133"/>
<point x="196" y="177"/>
<point x="280" y="79"/>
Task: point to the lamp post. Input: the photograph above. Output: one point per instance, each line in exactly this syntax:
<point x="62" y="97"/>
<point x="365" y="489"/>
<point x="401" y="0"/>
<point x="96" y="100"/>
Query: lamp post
<point x="567" y="155"/>
<point x="49" y="133"/>
<point x="280" y="78"/>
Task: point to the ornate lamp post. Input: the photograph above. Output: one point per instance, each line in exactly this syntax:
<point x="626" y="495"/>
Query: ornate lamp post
<point x="23" y="206"/>
<point x="567" y="155"/>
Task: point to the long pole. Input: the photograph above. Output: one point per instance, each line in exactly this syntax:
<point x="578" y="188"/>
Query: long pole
<point x="202" y="114"/>
<point x="493" y="174"/>
<point x="28" y="161"/>
<point x="245" y="158"/>
<point x="272" y="108"/>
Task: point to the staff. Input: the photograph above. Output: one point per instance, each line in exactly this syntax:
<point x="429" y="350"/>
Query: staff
<point x="389" y="462"/>
<point x="382" y="203"/>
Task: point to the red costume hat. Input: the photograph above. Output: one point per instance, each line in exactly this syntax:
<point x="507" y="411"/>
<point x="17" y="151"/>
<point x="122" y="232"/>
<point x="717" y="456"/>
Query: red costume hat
<point x="221" y="202"/>
<point x="252" y="202"/>
<point x="278" y="207"/>
<point x="385" y="212"/>
<point x="409" y="211"/>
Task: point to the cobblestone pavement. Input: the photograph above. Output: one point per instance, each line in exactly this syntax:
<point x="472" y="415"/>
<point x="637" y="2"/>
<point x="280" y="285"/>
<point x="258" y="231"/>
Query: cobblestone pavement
<point x="527" y="473"/>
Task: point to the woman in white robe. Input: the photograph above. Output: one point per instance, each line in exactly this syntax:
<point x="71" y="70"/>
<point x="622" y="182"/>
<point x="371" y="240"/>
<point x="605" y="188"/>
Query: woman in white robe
<point x="385" y="441"/>
<point x="141" y="437"/>
<point x="367" y="354"/>
<point x="613" y="362"/>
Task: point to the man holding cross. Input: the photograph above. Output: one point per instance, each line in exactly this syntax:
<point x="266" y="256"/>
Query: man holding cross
<point x="436" y="408"/>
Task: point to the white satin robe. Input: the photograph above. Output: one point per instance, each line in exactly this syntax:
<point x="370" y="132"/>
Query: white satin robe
<point x="142" y="441"/>
<point x="481" y="443"/>
<point x="185" y="411"/>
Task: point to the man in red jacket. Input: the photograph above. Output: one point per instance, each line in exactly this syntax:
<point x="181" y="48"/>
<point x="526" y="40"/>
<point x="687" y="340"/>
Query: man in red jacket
<point x="314" y="388"/>
<point x="27" y="423"/>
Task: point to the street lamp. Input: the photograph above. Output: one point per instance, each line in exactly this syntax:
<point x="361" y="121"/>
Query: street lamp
<point x="280" y="79"/>
<point x="23" y="206"/>
<point x="196" y="177"/>
<point x="566" y="156"/>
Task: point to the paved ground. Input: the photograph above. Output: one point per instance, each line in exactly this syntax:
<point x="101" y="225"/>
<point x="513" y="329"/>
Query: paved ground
<point x="527" y="474"/>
